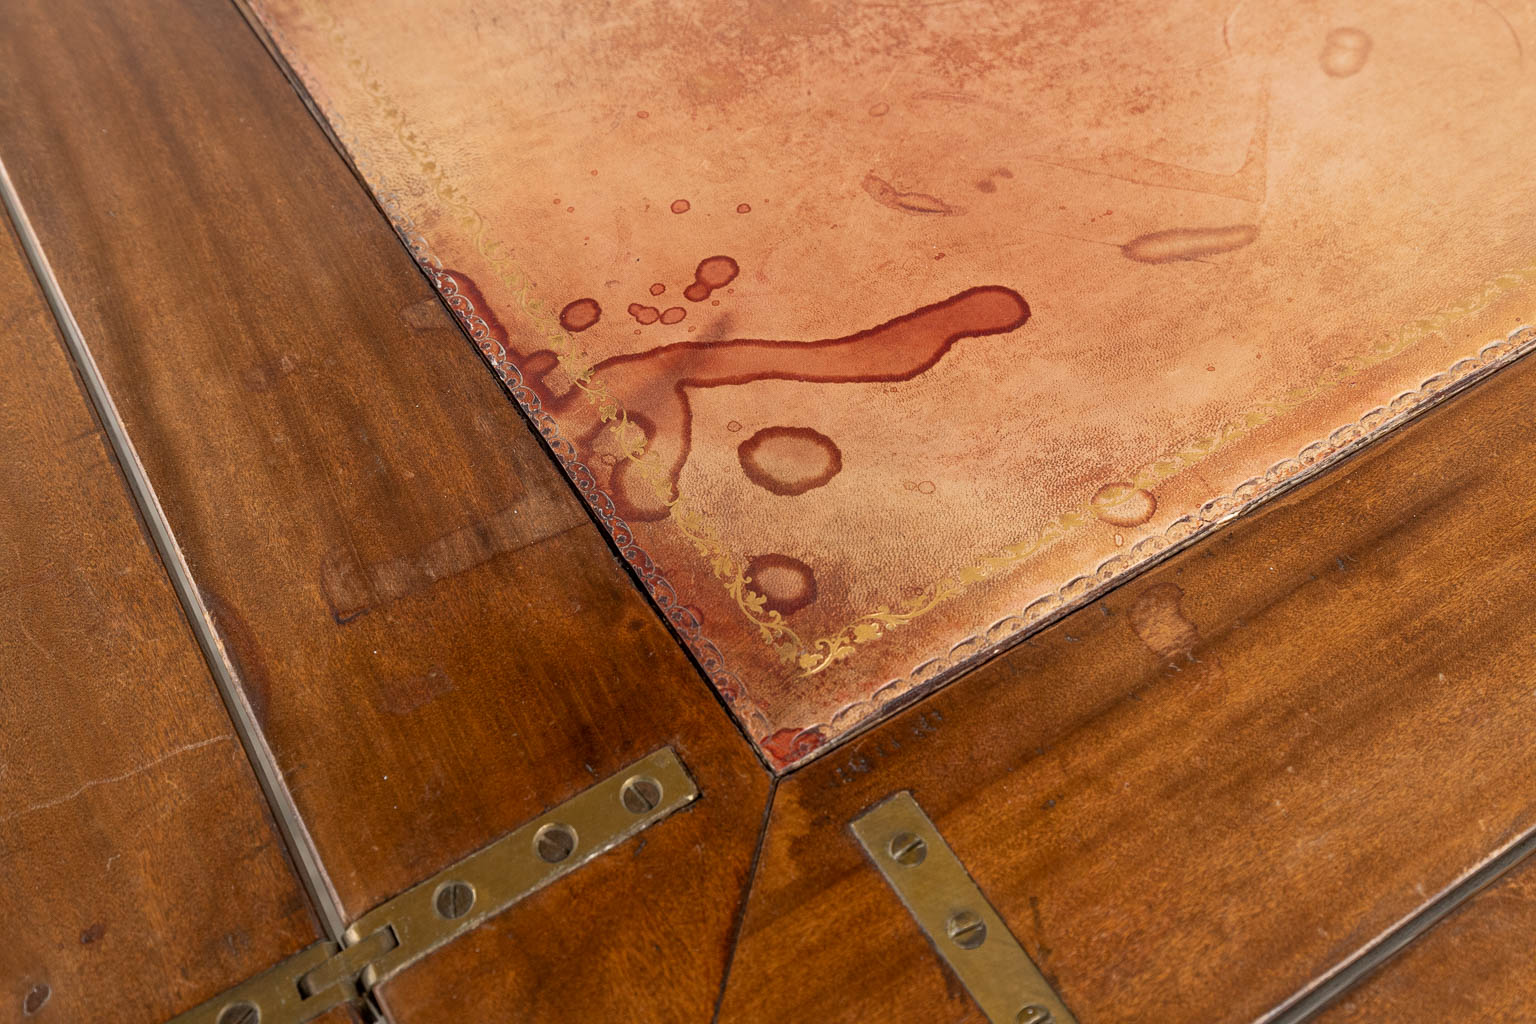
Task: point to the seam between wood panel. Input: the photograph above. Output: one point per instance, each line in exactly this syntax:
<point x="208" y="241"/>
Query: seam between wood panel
<point x="1323" y="991"/>
<point x="296" y="837"/>
<point x="746" y="899"/>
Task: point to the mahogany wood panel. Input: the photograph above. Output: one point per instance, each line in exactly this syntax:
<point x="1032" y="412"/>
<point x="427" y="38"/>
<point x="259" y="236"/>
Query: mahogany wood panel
<point x="1196" y="795"/>
<point x="435" y="637"/>
<point x="1473" y="967"/>
<point x="139" y="871"/>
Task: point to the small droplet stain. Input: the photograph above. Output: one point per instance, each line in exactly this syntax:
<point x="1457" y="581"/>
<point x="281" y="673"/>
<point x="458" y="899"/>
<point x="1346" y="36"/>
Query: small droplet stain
<point x="1345" y="52"/>
<point x="879" y="110"/>
<point x="680" y="206"/>
<point x="594" y="172"/>
<point x="642" y="114"/>
<point x="925" y="487"/>
<point x="673" y="314"/>
<point x="658" y="288"/>
<point x="557" y="200"/>
<point x="938" y="255"/>
<point x="732" y="426"/>
<point x="714" y="302"/>
<point x="743" y="208"/>
<point x="986" y="185"/>
<point x="1209" y="368"/>
<point x="644" y="314"/>
<point x="570" y="209"/>
<point x="1123" y="504"/>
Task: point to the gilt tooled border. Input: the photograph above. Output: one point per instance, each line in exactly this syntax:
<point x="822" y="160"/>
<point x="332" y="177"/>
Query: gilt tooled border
<point x="929" y="675"/>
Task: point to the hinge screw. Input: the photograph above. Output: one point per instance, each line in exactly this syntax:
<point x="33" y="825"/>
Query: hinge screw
<point x="454" y="900"/>
<point x="554" y="843"/>
<point x="640" y="795"/>
<point x="1034" y="1013"/>
<point x="966" y="929"/>
<point x="907" y="849"/>
<point x="240" y="1013"/>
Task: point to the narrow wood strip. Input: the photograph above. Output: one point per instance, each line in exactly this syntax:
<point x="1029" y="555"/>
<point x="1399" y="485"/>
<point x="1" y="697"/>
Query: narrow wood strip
<point x="1475" y="965"/>
<point x="127" y="807"/>
<point x="279" y="801"/>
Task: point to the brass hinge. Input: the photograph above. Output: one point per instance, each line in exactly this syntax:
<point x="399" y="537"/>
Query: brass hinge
<point x="396" y="934"/>
<point x="962" y="926"/>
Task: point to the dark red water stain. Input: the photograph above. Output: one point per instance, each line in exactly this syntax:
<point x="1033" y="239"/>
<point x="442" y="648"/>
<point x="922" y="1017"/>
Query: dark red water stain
<point x="886" y="194"/>
<point x="786" y="583"/>
<point x="680" y="206"/>
<point x="652" y="385"/>
<point x="743" y="208"/>
<point x="819" y="459"/>
<point x="579" y="315"/>
<point x="658" y="288"/>
<point x="673" y="314"/>
<point x="644" y="314"/>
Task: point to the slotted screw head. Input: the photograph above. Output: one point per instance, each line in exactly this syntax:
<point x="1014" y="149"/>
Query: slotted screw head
<point x="554" y="842"/>
<point x="454" y="900"/>
<point x="907" y="849"/>
<point x="640" y="795"/>
<point x="240" y="1013"/>
<point x="966" y="929"/>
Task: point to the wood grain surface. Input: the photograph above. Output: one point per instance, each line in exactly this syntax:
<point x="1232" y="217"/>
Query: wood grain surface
<point x="139" y="871"/>
<point x="435" y="637"/>
<point x="1193" y="797"/>
<point x="1473" y="967"/>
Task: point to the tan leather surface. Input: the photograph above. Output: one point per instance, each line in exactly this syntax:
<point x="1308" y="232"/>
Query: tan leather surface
<point x="879" y="333"/>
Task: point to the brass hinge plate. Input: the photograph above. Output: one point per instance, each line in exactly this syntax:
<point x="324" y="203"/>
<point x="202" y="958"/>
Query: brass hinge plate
<point x="963" y="927"/>
<point x="397" y="933"/>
